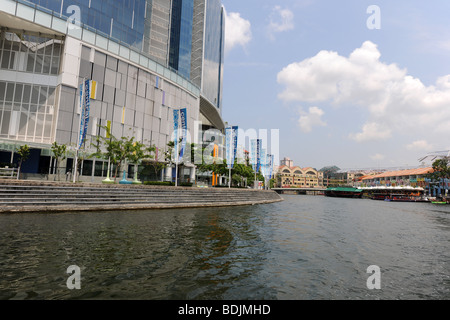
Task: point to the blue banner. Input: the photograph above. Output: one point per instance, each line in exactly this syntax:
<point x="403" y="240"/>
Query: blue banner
<point x="231" y="139"/>
<point x="183" y="117"/>
<point x="228" y="138"/>
<point x="235" y="144"/>
<point x="175" y="128"/>
<point x="253" y="156"/>
<point x="258" y="154"/>
<point x="271" y="156"/>
<point x="85" y="110"/>
<point x="263" y="162"/>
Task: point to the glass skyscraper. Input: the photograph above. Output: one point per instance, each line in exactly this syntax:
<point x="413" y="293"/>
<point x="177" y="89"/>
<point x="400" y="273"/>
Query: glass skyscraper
<point x="144" y="58"/>
<point x="181" y="36"/>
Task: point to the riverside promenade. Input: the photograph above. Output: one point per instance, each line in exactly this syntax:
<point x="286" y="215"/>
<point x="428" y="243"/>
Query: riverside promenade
<point x="37" y="196"/>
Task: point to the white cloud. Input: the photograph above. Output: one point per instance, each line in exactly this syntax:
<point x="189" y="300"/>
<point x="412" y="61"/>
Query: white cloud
<point x="372" y="131"/>
<point x="378" y="157"/>
<point x="420" y="145"/>
<point x="396" y="102"/>
<point x="237" y="31"/>
<point x="311" y="119"/>
<point x="280" y="20"/>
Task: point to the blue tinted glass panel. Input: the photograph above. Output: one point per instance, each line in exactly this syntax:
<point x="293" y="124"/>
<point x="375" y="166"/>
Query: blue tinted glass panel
<point x="181" y="36"/>
<point x="214" y="51"/>
<point x="126" y="17"/>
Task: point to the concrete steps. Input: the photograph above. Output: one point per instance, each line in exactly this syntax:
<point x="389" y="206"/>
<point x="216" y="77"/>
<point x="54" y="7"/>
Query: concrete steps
<point x="37" y="196"/>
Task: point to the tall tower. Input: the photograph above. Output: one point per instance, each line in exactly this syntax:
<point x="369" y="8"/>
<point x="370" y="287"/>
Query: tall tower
<point x="157" y="30"/>
<point x="208" y="37"/>
<point x="181" y="36"/>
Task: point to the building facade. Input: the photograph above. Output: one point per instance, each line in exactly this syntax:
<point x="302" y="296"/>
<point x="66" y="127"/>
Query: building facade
<point x="411" y="177"/>
<point x="296" y="177"/>
<point x="143" y="58"/>
<point x="287" y="162"/>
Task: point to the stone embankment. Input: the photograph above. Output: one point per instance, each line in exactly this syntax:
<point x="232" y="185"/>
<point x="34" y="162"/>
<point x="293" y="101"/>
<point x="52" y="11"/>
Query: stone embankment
<point x="37" y="196"/>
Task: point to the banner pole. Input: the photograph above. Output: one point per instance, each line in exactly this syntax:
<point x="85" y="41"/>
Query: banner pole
<point x="177" y="155"/>
<point x="176" y="173"/>
<point x="74" y="175"/>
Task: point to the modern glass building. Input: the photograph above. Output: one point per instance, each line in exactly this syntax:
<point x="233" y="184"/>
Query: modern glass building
<point x="181" y="36"/>
<point x="144" y="59"/>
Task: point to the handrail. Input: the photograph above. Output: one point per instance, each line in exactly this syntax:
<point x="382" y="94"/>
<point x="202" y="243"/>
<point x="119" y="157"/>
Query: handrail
<point x="8" y="173"/>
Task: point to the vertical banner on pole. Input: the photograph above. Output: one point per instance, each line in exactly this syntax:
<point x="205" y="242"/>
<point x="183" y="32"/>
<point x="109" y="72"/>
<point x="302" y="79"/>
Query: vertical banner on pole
<point x="234" y="136"/>
<point x="183" y="118"/>
<point x="231" y="140"/>
<point x="85" y="109"/>
<point x="263" y="157"/>
<point x="253" y="150"/>
<point x="271" y="156"/>
<point x="258" y="154"/>
<point x="176" y="117"/>
<point x="228" y="150"/>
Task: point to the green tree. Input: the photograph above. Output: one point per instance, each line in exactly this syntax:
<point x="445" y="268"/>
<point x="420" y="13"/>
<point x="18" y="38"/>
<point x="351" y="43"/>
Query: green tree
<point x="236" y="180"/>
<point x="330" y="169"/>
<point x="136" y="152"/>
<point x="59" y="152"/>
<point x="329" y="172"/>
<point x="245" y="171"/>
<point x="272" y="183"/>
<point x="24" y="153"/>
<point x="119" y="150"/>
<point x="156" y="164"/>
<point x="441" y="170"/>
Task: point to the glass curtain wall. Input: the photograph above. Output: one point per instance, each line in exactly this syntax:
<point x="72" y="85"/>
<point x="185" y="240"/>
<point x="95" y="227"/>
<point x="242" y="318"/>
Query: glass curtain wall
<point x="27" y="53"/>
<point x="181" y="36"/>
<point x="123" y="20"/>
<point x="214" y="52"/>
<point x="27" y="111"/>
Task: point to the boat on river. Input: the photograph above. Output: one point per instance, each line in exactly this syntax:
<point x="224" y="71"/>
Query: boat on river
<point x="343" y="192"/>
<point x="399" y="194"/>
<point x="405" y="198"/>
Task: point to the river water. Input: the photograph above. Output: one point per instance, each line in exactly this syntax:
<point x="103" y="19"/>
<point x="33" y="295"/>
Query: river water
<point x="304" y="248"/>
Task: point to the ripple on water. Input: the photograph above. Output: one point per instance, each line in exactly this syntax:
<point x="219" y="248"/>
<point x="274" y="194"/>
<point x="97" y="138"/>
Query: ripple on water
<point x="303" y="248"/>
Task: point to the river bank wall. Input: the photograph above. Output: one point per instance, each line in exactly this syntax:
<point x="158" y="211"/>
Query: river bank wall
<point x="40" y="196"/>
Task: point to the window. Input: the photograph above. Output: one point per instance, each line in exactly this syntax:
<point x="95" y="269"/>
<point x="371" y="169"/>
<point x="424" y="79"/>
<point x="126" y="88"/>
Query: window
<point x="26" y="53"/>
<point x="27" y="112"/>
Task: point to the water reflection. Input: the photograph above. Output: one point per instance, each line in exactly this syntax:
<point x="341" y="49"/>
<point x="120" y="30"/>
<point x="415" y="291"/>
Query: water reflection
<point x="303" y="248"/>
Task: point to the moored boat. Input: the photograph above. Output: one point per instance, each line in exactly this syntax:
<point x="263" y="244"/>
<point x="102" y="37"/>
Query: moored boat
<point x="343" y="192"/>
<point x="405" y="198"/>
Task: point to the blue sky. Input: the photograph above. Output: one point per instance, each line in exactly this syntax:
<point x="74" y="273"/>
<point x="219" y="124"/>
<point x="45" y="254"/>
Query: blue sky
<point x="341" y="93"/>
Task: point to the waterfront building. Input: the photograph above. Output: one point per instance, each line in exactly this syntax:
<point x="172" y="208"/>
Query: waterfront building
<point x="296" y="177"/>
<point x="143" y="60"/>
<point x="405" y="178"/>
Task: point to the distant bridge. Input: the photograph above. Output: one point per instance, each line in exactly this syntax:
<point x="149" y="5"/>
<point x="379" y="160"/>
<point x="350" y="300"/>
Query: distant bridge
<point x="314" y="191"/>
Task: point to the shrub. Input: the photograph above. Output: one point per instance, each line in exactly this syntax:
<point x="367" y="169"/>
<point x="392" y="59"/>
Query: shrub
<point x="159" y="183"/>
<point x="186" y="184"/>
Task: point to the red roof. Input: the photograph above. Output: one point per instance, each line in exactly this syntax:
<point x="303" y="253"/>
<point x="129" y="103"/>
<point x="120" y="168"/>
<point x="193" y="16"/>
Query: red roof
<point x="409" y="172"/>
